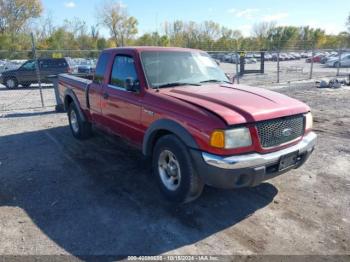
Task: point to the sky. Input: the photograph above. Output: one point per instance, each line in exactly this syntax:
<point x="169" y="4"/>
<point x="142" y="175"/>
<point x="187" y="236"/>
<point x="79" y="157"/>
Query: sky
<point x="234" y="14"/>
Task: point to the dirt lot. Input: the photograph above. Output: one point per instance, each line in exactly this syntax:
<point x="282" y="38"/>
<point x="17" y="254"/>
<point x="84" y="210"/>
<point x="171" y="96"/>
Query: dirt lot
<point x="62" y="196"/>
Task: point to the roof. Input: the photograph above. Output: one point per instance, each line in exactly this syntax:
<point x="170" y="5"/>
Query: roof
<point x="154" y="48"/>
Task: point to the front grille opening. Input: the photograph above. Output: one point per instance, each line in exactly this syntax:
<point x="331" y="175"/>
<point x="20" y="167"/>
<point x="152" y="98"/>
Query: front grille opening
<point x="281" y="130"/>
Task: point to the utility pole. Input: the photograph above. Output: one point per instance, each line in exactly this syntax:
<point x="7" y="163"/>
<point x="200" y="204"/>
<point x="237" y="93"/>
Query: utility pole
<point x="312" y="60"/>
<point x="37" y="70"/>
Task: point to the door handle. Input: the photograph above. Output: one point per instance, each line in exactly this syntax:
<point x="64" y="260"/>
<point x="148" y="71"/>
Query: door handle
<point x="105" y="95"/>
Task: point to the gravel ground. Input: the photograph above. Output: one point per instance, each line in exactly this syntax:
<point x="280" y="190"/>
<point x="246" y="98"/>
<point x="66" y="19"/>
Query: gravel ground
<point x="63" y="196"/>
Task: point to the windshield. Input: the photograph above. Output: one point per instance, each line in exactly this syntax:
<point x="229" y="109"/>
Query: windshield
<point x="165" y="68"/>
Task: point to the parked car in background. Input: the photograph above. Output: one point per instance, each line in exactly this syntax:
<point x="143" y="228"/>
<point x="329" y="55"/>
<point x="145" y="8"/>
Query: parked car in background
<point x="283" y="57"/>
<point x="26" y="74"/>
<point x="231" y="58"/>
<point x="268" y="57"/>
<point x="344" y="61"/>
<point x="87" y="66"/>
<point x="250" y="60"/>
<point x="2" y="65"/>
<point x="327" y="57"/>
<point x="196" y="127"/>
<point x="295" y="56"/>
<point x="316" y="59"/>
<point x="257" y="56"/>
<point x="86" y="69"/>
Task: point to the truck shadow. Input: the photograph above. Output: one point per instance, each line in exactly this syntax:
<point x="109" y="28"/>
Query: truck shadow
<point x="98" y="197"/>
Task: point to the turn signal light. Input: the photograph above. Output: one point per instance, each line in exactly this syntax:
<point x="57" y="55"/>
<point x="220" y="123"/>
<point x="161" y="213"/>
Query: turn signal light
<point x="217" y="139"/>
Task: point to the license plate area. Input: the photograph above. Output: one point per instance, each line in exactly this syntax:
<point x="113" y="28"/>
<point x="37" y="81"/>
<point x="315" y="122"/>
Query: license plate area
<point x="288" y="160"/>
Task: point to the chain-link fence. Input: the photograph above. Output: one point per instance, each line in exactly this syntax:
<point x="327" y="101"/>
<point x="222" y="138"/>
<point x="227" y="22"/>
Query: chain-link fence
<point x="22" y="75"/>
<point x="261" y="68"/>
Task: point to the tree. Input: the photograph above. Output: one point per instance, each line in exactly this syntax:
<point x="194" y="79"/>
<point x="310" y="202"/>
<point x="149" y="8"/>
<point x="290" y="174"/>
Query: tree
<point x="282" y="37"/>
<point x="348" y="23"/>
<point x="15" y="14"/>
<point x="76" y="26"/>
<point x="261" y="32"/>
<point x="113" y="16"/>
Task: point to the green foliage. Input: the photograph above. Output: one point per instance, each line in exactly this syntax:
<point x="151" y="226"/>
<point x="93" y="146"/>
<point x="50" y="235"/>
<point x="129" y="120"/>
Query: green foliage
<point x="74" y="34"/>
<point x="15" y="14"/>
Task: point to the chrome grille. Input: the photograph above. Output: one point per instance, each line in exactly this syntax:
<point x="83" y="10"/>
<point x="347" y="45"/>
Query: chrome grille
<point x="279" y="131"/>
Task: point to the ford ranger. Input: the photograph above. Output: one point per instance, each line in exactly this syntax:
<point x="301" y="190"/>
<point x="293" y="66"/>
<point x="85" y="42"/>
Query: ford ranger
<point x="183" y="112"/>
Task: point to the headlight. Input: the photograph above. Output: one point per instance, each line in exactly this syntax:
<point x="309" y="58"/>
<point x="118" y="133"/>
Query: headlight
<point x="308" y="121"/>
<point x="232" y="138"/>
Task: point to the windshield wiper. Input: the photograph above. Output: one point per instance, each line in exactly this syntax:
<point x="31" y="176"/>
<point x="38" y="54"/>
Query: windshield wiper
<point x="175" y="84"/>
<point x="214" y="81"/>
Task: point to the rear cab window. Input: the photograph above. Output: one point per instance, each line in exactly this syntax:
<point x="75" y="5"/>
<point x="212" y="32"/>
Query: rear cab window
<point x="101" y="68"/>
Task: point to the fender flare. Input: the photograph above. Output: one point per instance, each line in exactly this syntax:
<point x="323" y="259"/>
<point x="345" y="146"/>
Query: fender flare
<point x="170" y="126"/>
<point x="71" y="94"/>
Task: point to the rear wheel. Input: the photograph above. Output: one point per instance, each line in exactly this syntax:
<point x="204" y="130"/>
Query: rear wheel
<point x="11" y="83"/>
<point x="173" y="168"/>
<point x="80" y="129"/>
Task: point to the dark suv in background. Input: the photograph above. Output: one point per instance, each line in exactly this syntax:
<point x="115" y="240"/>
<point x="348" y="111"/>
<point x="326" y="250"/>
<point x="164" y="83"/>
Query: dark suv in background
<point x="26" y="75"/>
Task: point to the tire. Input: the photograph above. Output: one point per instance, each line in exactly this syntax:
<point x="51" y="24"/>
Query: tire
<point x="80" y="129"/>
<point x="11" y="82"/>
<point x="189" y="186"/>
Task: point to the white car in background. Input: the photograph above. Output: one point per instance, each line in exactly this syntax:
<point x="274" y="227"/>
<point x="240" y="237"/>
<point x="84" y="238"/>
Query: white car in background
<point x="344" y="61"/>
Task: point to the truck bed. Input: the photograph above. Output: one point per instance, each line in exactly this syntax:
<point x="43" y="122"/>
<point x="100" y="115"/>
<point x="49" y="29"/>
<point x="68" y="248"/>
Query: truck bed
<point x="78" y="83"/>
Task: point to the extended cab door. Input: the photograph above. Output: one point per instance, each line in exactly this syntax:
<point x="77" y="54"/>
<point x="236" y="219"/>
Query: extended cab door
<point x="121" y="108"/>
<point x="97" y="86"/>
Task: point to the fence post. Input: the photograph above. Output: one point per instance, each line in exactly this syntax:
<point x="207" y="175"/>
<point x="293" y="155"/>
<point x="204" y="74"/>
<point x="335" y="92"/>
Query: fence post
<point x="312" y="61"/>
<point x="278" y="66"/>
<point x="339" y="59"/>
<point x="37" y="70"/>
<point x="237" y="59"/>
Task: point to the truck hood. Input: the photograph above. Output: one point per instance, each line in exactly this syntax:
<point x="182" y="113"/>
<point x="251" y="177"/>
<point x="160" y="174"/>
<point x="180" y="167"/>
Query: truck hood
<point x="238" y="104"/>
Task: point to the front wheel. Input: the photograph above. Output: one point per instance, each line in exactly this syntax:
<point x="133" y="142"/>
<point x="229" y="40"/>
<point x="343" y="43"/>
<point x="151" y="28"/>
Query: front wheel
<point x="80" y="129"/>
<point x="173" y="168"/>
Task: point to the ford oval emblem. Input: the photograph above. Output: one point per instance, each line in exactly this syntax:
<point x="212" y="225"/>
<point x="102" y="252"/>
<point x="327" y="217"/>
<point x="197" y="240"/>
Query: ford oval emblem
<point x="287" y="132"/>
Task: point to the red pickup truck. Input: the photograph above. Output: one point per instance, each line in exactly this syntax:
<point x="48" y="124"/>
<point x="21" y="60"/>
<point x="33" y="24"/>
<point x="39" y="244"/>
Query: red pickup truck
<point x="182" y="111"/>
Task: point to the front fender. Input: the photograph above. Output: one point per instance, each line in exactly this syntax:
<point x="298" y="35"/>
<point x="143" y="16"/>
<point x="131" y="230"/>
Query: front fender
<point x="169" y="126"/>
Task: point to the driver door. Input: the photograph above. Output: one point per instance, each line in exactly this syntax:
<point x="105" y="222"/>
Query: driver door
<point x="122" y="108"/>
<point x="27" y="73"/>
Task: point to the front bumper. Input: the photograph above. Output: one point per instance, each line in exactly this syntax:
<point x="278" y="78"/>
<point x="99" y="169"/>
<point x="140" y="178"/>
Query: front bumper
<point x="249" y="169"/>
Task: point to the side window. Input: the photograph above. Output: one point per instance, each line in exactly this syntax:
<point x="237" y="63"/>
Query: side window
<point x="30" y="65"/>
<point x="44" y="64"/>
<point x="123" y="68"/>
<point x="59" y="63"/>
<point x="101" y="68"/>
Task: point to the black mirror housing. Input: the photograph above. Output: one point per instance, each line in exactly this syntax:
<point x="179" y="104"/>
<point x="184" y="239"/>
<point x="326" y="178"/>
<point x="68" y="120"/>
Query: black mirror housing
<point x="131" y="85"/>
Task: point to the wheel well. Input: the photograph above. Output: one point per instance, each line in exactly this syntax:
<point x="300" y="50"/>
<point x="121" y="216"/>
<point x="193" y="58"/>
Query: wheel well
<point x="10" y="77"/>
<point x="158" y="134"/>
<point x="67" y="101"/>
<point x="163" y="127"/>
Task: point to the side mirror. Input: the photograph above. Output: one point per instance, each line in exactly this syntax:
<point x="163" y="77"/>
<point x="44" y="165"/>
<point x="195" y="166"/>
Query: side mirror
<point x="131" y="85"/>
